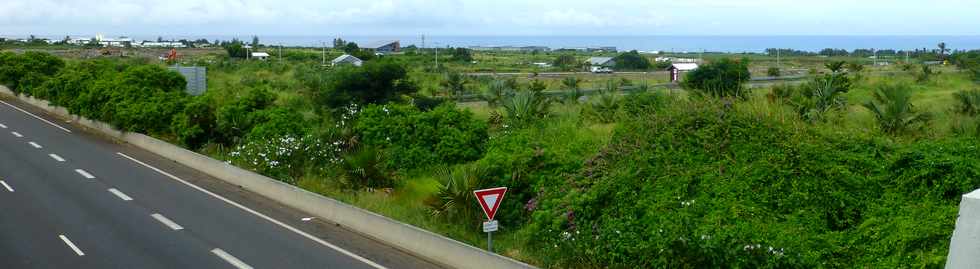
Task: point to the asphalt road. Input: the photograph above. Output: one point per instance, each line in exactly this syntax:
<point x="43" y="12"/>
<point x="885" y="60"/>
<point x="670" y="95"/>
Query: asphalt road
<point x="72" y="199"/>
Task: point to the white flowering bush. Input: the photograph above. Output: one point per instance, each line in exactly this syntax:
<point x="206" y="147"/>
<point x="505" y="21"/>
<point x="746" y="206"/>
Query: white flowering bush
<point x="286" y="157"/>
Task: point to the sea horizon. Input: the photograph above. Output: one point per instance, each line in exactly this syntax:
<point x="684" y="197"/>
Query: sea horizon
<point x="650" y="43"/>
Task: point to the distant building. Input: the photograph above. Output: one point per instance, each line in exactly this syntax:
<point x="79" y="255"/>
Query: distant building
<point x="677" y="69"/>
<point x="162" y="44"/>
<point x="345" y="60"/>
<point x="113" y="42"/>
<point x="385" y="47"/>
<point x="601" y="64"/>
<point x="511" y="48"/>
<point x="261" y="56"/>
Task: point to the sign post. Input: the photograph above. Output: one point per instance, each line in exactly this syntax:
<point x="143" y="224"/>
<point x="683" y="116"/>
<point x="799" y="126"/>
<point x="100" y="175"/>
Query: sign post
<point x="489" y="200"/>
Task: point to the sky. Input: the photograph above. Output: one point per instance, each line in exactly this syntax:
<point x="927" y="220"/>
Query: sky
<point x="489" y="18"/>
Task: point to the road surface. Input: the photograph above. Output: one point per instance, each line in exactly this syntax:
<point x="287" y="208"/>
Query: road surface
<point x="72" y="199"/>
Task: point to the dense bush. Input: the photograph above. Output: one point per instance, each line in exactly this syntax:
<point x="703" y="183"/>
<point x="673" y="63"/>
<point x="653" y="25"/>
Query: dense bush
<point x="23" y="72"/>
<point x="701" y="185"/>
<point x="723" y="78"/>
<point x="413" y="138"/>
<point x="632" y="60"/>
<point x="376" y="82"/>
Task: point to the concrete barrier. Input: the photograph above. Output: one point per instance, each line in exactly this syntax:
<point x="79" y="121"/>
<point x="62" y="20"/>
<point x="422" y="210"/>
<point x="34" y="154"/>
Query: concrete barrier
<point x="422" y="243"/>
<point x="964" y="247"/>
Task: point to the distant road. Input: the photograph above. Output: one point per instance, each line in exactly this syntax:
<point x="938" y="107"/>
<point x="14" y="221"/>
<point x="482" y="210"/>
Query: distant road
<point x="70" y="199"/>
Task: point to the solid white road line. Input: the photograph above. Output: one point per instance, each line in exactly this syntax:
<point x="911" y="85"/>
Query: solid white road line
<point x="36" y="117"/>
<point x="168" y="222"/>
<point x="84" y="174"/>
<point x="256" y="213"/>
<point x="35" y="145"/>
<point x="16" y="134"/>
<point x="120" y="194"/>
<point x="3" y="126"/>
<point x="72" y="246"/>
<point x="6" y="186"/>
<point x="230" y="259"/>
<point x="56" y="157"/>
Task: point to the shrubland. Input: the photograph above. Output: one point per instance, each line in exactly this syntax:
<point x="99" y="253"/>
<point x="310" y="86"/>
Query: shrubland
<point x="849" y="169"/>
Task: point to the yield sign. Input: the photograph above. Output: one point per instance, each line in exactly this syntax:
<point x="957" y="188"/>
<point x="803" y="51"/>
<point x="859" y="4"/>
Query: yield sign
<point x="490" y="200"/>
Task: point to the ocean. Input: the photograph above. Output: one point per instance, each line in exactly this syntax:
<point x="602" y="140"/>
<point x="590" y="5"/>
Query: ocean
<point x="641" y="43"/>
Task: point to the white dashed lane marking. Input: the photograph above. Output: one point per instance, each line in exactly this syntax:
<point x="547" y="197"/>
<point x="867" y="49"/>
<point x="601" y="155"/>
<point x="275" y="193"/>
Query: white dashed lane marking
<point x="121" y="195"/>
<point x="71" y="245"/>
<point x="173" y="225"/>
<point x="84" y="174"/>
<point x="6" y="186"/>
<point x="230" y="259"/>
<point x="56" y="157"/>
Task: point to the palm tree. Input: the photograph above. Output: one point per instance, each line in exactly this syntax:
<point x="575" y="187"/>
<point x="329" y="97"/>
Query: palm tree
<point x="942" y="51"/>
<point x="835" y="66"/>
<point x="455" y="83"/>
<point x="892" y="107"/>
<point x="571" y="84"/>
<point x="454" y="199"/>
<point x="497" y="91"/>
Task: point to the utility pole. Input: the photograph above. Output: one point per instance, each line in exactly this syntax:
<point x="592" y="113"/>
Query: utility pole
<point x="323" y="46"/>
<point x="423" y="43"/>
<point x="875" y="53"/>
<point x="777" y="59"/>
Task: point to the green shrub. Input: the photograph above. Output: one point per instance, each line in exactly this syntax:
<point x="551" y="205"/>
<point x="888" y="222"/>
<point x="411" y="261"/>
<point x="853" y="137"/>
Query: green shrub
<point x="195" y="125"/>
<point x="413" y="139"/>
<point x="967" y="102"/>
<point x="723" y="78"/>
<point x="773" y="72"/>
<point x="27" y="71"/>
<point x="703" y="185"/>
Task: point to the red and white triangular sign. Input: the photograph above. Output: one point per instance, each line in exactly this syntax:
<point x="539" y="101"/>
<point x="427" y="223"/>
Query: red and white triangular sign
<point x="490" y="200"/>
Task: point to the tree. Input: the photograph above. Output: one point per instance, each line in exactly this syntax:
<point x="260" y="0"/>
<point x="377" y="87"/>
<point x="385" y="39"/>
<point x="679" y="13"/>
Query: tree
<point x="255" y="41"/>
<point x="632" y="61"/>
<point x="376" y="82"/>
<point x="566" y="62"/>
<point x="339" y="43"/>
<point x="351" y="48"/>
<point x="723" y="78"/>
<point x="892" y="108"/>
<point x="235" y="50"/>
<point x="462" y="55"/>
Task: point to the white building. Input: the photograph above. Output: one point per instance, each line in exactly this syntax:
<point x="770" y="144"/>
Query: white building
<point x="346" y="59"/>
<point x="601" y="64"/>
<point x="262" y="56"/>
<point x="677" y="69"/>
<point x="164" y="44"/>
